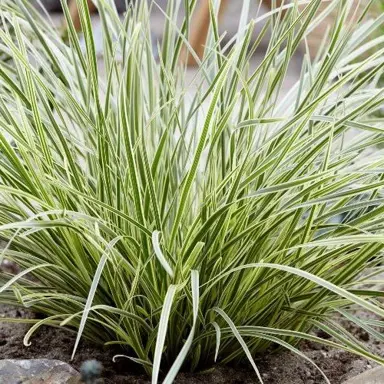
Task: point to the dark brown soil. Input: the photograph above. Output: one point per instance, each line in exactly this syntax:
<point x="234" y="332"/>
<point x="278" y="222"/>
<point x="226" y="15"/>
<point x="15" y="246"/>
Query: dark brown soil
<point x="277" y="368"/>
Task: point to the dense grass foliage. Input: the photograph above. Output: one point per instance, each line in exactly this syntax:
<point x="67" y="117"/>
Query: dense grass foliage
<point x="192" y="226"/>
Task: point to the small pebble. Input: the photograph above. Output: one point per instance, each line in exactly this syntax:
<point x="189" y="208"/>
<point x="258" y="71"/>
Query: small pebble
<point x="91" y="371"/>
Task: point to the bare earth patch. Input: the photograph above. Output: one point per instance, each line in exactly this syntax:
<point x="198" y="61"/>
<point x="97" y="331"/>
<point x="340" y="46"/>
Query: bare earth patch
<point x="276" y="368"/>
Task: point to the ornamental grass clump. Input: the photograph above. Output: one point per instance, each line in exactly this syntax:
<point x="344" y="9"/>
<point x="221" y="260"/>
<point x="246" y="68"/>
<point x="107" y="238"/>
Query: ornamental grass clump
<point x="193" y="225"/>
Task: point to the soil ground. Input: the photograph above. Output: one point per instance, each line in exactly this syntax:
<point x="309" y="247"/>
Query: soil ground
<point x="276" y="368"/>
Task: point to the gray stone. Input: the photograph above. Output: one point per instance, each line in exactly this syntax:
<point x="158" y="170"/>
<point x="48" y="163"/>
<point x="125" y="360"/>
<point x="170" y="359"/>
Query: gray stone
<point x="37" y="371"/>
<point x="372" y="376"/>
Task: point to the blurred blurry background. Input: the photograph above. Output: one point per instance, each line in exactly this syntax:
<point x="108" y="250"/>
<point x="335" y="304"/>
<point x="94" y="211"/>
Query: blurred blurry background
<point x="228" y="24"/>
